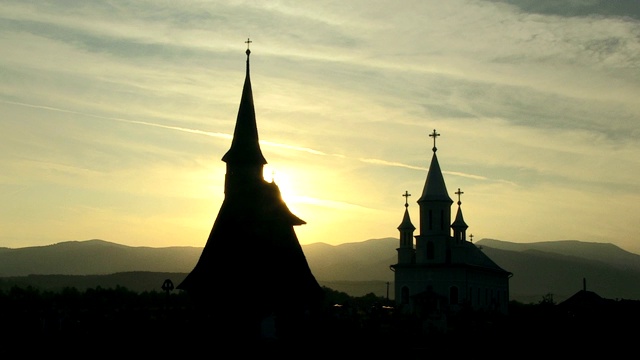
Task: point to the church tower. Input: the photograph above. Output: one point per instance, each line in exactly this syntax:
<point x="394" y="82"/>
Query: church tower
<point x="441" y="271"/>
<point x="435" y="215"/>
<point x="252" y="266"/>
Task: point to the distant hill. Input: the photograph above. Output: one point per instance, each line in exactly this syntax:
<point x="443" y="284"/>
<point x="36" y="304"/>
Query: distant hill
<point x="559" y="268"/>
<point x="358" y="268"/>
<point x="95" y="257"/>
<point x="357" y="261"/>
<point x="601" y="252"/>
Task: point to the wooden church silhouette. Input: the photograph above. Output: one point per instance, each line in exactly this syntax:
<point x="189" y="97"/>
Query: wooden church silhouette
<point x="252" y="266"/>
<point x="442" y="272"/>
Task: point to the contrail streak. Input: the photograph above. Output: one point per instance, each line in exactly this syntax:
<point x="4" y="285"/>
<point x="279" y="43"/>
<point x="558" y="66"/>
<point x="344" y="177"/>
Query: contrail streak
<point x="228" y="136"/>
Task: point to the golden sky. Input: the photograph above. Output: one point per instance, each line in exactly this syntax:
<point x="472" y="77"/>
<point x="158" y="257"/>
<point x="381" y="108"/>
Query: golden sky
<point x="115" y="116"/>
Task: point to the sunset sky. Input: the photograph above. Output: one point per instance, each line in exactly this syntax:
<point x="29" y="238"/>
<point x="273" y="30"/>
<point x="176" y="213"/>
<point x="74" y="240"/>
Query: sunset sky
<point x="114" y="116"/>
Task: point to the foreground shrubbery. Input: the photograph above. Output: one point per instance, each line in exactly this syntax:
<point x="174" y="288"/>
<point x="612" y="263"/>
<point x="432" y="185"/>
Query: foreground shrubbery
<point x="118" y="314"/>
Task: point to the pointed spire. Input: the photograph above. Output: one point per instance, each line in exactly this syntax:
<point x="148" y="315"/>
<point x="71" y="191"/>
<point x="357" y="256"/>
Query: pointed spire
<point x="245" y="147"/>
<point x="406" y="223"/>
<point x="434" y="187"/>
<point x="459" y="223"/>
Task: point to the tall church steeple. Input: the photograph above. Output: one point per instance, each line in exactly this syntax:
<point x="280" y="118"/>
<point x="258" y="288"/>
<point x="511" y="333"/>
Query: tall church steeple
<point x="244" y="158"/>
<point x="435" y="213"/>
<point x="252" y="265"/>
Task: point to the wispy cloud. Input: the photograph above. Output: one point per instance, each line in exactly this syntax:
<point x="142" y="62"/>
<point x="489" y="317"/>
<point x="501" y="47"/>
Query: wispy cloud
<point x="535" y="100"/>
<point x="391" y="163"/>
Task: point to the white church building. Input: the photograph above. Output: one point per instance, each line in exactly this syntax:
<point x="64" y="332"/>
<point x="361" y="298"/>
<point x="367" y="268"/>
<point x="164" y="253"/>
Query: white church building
<point x="439" y="269"/>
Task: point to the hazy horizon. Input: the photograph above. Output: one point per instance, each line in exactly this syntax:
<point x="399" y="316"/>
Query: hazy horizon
<point x="116" y="116"/>
<point x="476" y="241"/>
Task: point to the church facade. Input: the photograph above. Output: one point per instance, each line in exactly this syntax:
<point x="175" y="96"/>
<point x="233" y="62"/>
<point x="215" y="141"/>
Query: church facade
<point x="439" y="269"/>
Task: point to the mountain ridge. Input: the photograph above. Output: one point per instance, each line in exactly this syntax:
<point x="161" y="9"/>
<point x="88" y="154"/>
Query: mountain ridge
<point x="357" y="268"/>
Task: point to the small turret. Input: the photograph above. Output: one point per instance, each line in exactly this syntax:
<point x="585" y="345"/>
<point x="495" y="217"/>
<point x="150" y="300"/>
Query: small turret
<point x="459" y="226"/>
<point x="406" y="228"/>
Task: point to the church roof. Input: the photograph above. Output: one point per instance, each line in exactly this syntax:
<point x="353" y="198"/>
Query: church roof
<point x="459" y="221"/>
<point x="470" y="255"/>
<point x="406" y="219"/>
<point x="406" y="222"/>
<point x="245" y="147"/>
<point x="434" y="187"/>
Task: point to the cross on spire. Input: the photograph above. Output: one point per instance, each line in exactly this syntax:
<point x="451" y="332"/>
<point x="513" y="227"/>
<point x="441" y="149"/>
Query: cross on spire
<point x="406" y="198"/>
<point x="434" y="134"/>
<point x="459" y="193"/>
<point x="248" y="42"/>
<point x="471" y="236"/>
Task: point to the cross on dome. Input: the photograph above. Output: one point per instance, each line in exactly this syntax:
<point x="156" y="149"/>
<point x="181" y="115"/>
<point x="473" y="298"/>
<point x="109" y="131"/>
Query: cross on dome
<point x="459" y="193"/>
<point x="406" y="198"/>
<point x="248" y="42"/>
<point x="434" y="135"/>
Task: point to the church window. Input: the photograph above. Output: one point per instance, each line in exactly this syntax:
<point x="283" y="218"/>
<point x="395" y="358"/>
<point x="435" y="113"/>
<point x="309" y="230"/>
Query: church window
<point x="430" y="220"/>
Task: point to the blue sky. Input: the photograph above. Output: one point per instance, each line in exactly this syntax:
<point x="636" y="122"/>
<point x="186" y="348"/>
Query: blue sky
<point x="115" y="116"/>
